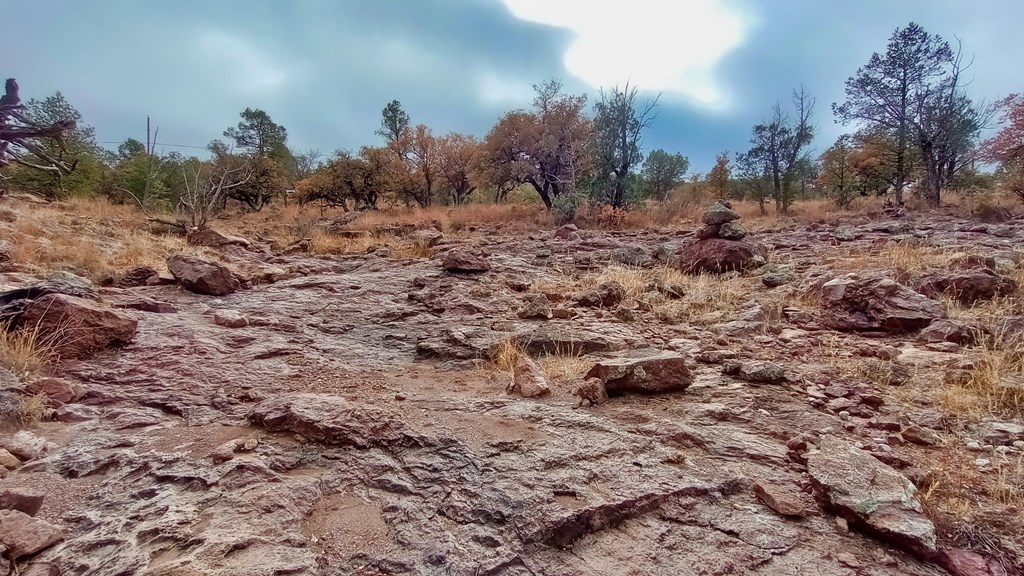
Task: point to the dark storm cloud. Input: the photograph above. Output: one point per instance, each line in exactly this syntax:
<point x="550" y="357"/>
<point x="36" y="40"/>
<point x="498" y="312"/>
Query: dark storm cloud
<point x="325" y="69"/>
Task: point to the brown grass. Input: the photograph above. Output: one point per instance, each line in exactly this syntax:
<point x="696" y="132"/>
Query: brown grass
<point x="91" y="238"/>
<point x="323" y="242"/>
<point x="22" y="353"/>
<point x="506" y="355"/>
<point x="993" y="386"/>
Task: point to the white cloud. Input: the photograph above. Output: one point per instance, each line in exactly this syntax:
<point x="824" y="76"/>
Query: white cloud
<point x="657" y="45"/>
<point x="245" y="67"/>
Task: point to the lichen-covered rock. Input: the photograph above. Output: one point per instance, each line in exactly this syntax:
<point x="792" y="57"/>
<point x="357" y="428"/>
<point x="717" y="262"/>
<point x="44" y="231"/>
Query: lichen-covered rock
<point x="870" y="495"/>
<point x="967" y="286"/>
<point x="720" y="213"/>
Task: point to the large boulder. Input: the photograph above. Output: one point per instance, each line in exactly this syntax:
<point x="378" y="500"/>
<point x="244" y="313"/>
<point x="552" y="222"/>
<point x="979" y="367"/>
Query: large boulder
<point x="870" y="495"/>
<point x="872" y="302"/>
<point x="716" y="255"/>
<point x="75" y="327"/>
<point x="24" y="535"/>
<point x="650" y="374"/>
<point x="967" y="286"/>
<point x="460" y="260"/>
<point x="202" y="276"/>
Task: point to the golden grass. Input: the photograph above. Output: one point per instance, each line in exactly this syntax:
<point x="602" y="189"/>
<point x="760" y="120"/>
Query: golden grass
<point x="702" y="293"/>
<point x="91" y="238"/>
<point x="323" y="242"/>
<point x="992" y="386"/>
<point x="565" y="368"/>
<point x="507" y="354"/>
<point x="22" y="352"/>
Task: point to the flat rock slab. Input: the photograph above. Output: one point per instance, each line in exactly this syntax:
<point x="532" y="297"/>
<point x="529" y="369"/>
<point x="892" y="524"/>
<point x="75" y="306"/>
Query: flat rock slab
<point x="870" y="495"/>
<point x="333" y="420"/>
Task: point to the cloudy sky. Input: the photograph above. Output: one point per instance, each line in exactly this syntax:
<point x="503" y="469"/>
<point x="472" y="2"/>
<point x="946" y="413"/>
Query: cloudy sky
<point x="325" y="68"/>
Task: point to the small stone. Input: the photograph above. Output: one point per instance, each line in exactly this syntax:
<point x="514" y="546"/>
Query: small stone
<point x="538" y="308"/>
<point x="460" y="260"/>
<point x="1019" y="444"/>
<point x="230" y="319"/>
<point x="848" y="560"/>
<point x="783" y="500"/>
<point x="399" y="397"/>
<point x="973" y="446"/>
<point x="8" y="460"/>
<point x="761" y="372"/>
<point x="844" y="415"/>
<point x="604" y="295"/>
<point x="919" y="435"/>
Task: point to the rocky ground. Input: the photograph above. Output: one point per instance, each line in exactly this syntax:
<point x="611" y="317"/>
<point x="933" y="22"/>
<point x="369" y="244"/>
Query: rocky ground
<point x="358" y="415"/>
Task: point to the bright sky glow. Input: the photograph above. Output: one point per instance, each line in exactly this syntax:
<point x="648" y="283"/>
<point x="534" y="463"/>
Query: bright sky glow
<point x="657" y="45"/>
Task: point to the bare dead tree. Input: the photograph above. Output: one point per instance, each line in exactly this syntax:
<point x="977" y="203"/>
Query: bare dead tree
<point x="206" y="189"/>
<point x="20" y="136"/>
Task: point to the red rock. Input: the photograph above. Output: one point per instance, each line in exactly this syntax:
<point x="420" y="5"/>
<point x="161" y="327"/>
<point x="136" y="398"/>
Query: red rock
<point x="716" y="255"/>
<point x="202" y="276"/>
<point x="604" y="295"/>
<point x="215" y="239"/>
<point x="661" y="372"/>
<point x="786" y="501"/>
<point x="462" y="260"/>
<point x="138" y="276"/>
<point x="58" y="390"/>
<point x="528" y="379"/>
<point x="966" y="563"/>
<point x="967" y="286"/>
<point x="25" y="500"/>
<point x="76" y="327"/>
<point x="875" y="302"/>
<point x="24" y="535"/>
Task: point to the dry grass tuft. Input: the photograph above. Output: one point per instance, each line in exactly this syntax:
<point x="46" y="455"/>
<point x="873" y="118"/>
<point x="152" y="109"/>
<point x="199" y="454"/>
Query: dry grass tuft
<point x="22" y="352"/>
<point x="992" y="386"/>
<point x="507" y="354"/>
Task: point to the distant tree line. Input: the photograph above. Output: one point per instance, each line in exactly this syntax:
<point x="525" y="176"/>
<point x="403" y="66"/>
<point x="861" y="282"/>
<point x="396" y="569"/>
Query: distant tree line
<point x="915" y="128"/>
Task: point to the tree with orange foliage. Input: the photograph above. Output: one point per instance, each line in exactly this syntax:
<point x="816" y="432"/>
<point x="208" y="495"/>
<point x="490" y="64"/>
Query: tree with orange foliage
<point x="718" y="178"/>
<point x="1007" y="147"/>
<point x="545" y="147"/>
<point x="456" y="157"/>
